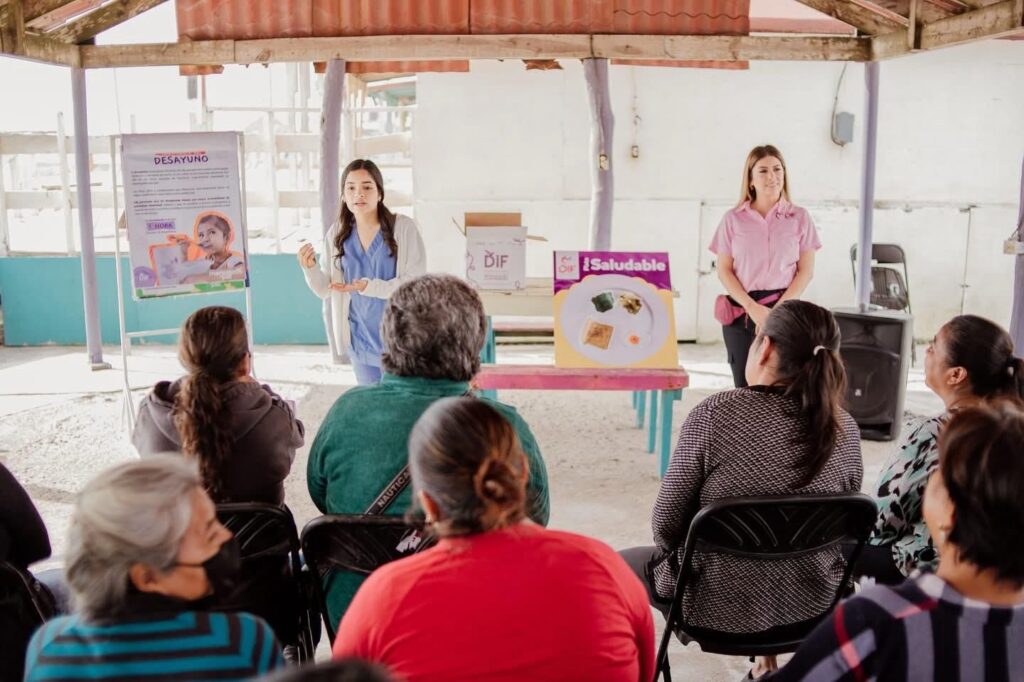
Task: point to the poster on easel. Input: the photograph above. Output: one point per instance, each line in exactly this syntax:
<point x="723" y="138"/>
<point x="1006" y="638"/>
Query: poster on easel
<point x="613" y="309"/>
<point x="184" y="212"/>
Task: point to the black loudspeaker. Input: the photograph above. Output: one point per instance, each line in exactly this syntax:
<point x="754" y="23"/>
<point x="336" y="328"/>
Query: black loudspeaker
<point x="876" y="347"/>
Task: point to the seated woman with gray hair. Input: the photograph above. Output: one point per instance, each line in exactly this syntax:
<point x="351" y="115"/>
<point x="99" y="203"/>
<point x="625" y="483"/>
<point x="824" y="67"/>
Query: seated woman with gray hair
<point x="144" y="549"/>
<point x="433" y="330"/>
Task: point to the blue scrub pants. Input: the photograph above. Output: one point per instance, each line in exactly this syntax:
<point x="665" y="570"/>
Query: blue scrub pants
<point x="366" y="375"/>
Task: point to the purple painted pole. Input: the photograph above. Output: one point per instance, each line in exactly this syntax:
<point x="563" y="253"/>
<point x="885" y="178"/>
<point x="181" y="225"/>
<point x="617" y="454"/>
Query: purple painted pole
<point x="1017" y="316"/>
<point x="90" y="298"/>
<point x="867" y="186"/>
<point x="602" y="126"/>
<point x="330" y="136"/>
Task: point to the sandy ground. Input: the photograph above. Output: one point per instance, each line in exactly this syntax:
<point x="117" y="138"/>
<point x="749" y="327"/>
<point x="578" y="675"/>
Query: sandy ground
<point x="61" y="423"/>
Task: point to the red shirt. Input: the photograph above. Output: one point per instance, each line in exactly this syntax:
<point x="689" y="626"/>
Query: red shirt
<point x="522" y="603"/>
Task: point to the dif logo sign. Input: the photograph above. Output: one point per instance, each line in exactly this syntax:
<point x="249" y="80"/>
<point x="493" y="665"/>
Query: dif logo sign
<point x="567" y="265"/>
<point x="495" y="260"/>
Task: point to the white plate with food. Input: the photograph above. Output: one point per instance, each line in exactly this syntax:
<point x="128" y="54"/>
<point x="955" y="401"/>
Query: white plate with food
<point x="614" y="319"/>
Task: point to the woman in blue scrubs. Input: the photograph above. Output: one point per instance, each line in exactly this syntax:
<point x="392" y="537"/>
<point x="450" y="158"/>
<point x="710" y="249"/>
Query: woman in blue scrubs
<point x="372" y="252"/>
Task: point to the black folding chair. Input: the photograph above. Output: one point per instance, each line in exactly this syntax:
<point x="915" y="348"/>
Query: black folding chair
<point x="766" y="528"/>
<point x="272" y="584"/>
<point x="25" y="604"/>
<point x="356" y="543"/>
<point x="890" y="288"/>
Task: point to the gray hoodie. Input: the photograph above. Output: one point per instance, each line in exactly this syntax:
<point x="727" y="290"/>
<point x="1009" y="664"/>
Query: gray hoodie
<point x="265" y="429"/>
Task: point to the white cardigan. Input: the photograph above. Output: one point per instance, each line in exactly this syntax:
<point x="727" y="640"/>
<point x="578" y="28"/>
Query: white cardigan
<point x="411" y="262"/>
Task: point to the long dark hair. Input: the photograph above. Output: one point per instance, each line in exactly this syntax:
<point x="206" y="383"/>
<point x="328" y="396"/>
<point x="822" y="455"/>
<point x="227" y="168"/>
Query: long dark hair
<point x="212" y="346"/>
<point x="985" y="351"/>
<point x="806" y="341"/>
<point x="347" y="219"/>
<point x="467" y="457"/>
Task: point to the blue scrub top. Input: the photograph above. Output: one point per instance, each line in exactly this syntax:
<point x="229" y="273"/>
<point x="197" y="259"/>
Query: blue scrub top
<point x="365" y="312"/>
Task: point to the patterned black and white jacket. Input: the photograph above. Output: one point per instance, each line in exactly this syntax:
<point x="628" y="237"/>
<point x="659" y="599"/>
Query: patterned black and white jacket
<point x="737" y="443"/>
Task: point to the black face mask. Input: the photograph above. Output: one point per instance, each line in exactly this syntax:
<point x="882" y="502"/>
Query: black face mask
<point x="222" y="568"/>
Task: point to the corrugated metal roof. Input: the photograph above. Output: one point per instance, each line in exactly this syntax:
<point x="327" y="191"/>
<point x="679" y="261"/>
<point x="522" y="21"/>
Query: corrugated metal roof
<point x="253" y="19"/>
<point x="389" y="17"/>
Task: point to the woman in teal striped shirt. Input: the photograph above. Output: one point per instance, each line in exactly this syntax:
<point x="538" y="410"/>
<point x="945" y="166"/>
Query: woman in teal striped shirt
<point x="144" y="547"/>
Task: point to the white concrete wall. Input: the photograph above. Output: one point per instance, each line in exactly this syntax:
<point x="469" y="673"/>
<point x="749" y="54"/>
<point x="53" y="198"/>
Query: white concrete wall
<point x="951" y="140"/>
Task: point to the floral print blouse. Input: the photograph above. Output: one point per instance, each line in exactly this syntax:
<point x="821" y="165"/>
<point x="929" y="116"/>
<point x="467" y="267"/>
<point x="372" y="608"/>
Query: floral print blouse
<point x="900" y="492"/>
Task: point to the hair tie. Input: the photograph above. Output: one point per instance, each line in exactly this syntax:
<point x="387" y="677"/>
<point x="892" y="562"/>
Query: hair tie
<point x="818" y="348"/>
<point x="1010" y="368"/>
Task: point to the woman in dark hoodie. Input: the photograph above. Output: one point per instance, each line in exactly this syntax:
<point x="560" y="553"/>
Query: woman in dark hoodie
<point x="242" y="434"/>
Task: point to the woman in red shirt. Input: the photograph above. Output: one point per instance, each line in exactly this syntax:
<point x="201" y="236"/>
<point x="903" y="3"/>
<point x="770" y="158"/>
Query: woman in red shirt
<point x="499" y="598"/>
<point x="765" y="248"/>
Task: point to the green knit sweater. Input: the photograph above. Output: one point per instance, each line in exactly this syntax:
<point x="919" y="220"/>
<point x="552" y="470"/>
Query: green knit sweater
<point x="362" y="444"/>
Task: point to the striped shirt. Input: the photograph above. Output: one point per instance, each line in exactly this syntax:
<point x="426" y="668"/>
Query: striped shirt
<point x="920" y="630"/>
<point x="188" y="645"/>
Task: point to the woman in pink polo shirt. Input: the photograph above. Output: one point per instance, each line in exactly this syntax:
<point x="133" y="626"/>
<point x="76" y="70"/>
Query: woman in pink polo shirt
<point x="765" y="248"/>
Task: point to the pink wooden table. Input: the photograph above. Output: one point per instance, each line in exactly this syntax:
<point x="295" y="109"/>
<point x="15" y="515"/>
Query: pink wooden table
<point x="666" y="387"/>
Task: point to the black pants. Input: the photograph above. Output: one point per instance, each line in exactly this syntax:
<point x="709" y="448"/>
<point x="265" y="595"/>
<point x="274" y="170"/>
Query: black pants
<point x="640" y="560"/>
<point x="875" y="561"/>
<point x="740" y="335"/>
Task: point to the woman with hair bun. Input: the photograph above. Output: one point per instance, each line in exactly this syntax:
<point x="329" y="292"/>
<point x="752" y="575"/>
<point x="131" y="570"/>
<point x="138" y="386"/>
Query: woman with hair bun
<point x="970" y="360"/>
<point x="242" y="434"/>
<point x="499" y="598"/>
<point x="785" y="434"/>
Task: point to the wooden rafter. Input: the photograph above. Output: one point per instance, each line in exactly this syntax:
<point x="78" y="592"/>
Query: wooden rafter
<point x="99" y="20"/>
<point x="864" y="17"/>
<point x="431" y="47"/>
<point x="993" y="21"/>
<point x="927" y="10"/>
<point x="39" y="49"/>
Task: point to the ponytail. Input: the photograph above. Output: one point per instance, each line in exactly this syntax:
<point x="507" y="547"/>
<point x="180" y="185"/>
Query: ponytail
<point x="212" y="346"/>
<point x="806" y="339"/>
<point x="201" y="417"/>
<point x="1015" y="374"/>
<point x="818" y="387"/>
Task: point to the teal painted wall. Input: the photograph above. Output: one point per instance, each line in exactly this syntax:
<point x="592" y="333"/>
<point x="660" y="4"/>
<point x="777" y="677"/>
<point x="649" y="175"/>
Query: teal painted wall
<point x="41" y="298"/>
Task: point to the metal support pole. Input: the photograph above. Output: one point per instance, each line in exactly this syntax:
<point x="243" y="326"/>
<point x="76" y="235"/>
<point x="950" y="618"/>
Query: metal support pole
<point x="330" y="174"/>
<point x="5" y="234"/>
<point x="1017" y="315"/>
<point x="867" y="185"/>
<point x="65" y="187"/>
<point x="602" y="126"/>
<point x="93" y="340"/>
<point x="126" y="342"/>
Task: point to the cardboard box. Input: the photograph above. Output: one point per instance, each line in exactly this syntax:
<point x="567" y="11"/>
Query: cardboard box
<point x="495" y="251"/>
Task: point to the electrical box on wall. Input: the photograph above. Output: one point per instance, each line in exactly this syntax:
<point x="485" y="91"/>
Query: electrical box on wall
<point x="842" y="128"/>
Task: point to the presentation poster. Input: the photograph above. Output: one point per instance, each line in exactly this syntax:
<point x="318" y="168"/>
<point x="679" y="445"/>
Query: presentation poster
<point x="613" y="309"/>
<point x="186" y="228"/>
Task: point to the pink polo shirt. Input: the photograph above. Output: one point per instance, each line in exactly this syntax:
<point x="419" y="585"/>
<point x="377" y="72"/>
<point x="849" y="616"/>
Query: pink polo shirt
<point x="765" y="251"/>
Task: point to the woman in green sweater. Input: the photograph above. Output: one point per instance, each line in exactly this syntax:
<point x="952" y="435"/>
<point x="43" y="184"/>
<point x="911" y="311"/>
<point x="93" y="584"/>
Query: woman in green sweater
<point x="433" y="330"/>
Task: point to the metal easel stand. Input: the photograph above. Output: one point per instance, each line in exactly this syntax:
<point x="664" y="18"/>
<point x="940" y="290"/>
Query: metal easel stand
<point x="127" y="408"/>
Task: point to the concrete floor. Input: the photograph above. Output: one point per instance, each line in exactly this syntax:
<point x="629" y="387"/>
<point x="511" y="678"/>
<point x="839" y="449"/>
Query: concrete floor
<point x="62" y="423"/>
